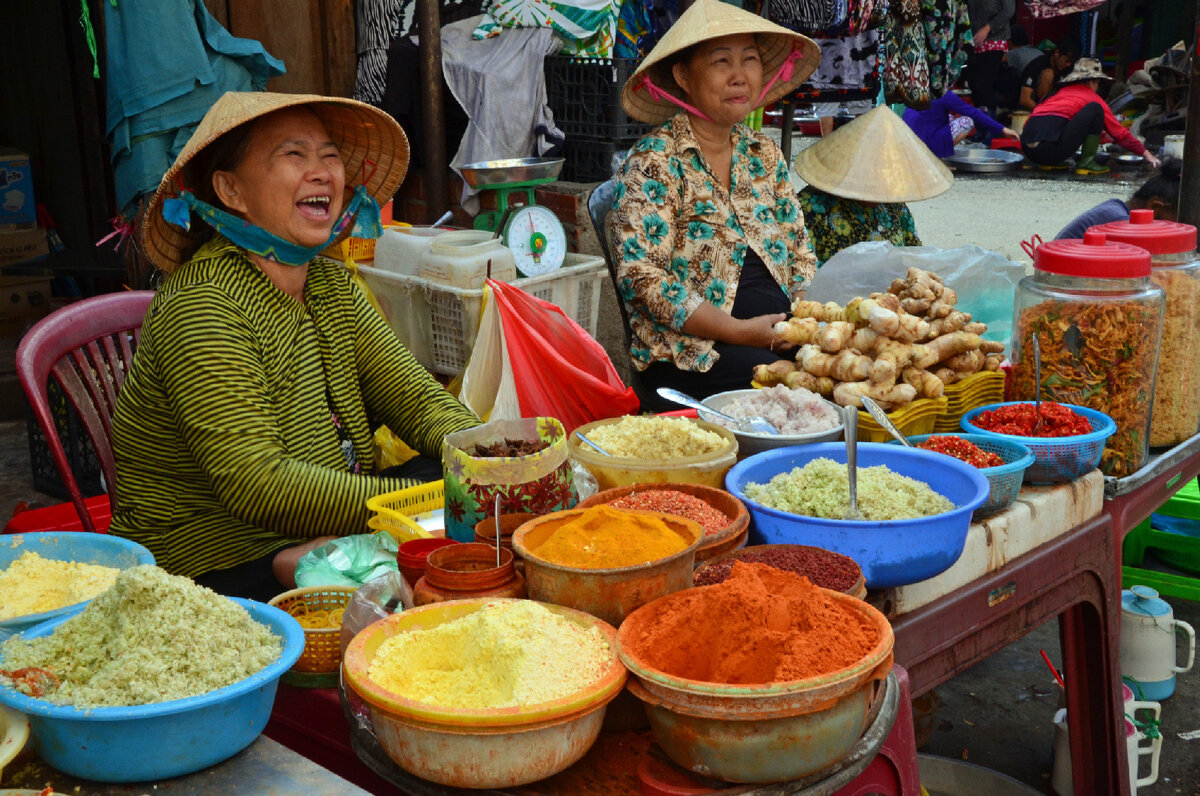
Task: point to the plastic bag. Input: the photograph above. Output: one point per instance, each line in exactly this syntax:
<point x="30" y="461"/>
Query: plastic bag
<point x="376" y="599"/>
<point x="531" y="360"/>
<point x="538" y="483"/>
<point x="348" y="561"/>
<point x="986" y="282"/>
<point x="390" y="450"/>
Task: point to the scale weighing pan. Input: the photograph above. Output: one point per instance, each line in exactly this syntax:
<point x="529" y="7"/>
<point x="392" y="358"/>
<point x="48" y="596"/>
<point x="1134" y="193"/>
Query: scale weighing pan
<point x="984" y="161"/>
<point x="489" y="173"/>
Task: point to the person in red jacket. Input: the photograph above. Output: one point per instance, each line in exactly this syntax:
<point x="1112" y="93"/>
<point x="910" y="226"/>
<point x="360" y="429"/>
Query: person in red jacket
<point x="1074" y="116"/>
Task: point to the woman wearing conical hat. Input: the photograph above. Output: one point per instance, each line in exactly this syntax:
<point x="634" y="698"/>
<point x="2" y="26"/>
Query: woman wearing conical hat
<point x="242" y="433"/>
<point x="708" y="241"/>
<point x="859" y="179"/>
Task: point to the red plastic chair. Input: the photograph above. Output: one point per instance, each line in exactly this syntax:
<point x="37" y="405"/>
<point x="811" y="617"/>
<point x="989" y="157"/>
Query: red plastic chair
<point x="88" y="347"/>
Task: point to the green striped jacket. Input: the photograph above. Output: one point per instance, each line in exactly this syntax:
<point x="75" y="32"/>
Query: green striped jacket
<point x="225" y="444"/>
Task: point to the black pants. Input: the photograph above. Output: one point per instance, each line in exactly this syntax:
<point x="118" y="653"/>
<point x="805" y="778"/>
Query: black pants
<point x="985" y="69"/>
<point x="758" y="294"/>
<point x="1050" y="140"/>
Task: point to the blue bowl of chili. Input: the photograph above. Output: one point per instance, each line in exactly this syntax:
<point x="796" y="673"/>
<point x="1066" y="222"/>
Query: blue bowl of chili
<point x="890" y="552"/>
<point x="1056" y="459"/>
<point x="1004" y="479"/>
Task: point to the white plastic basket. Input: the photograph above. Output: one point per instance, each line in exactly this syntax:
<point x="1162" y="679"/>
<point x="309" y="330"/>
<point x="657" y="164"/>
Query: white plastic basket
<point x="438" y="323"/>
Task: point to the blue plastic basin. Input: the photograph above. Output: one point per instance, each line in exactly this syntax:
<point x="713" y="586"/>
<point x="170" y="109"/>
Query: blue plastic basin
<point x="166" y="739"/>
<point x="890" y="553"/>
<point x="86" y="548"/>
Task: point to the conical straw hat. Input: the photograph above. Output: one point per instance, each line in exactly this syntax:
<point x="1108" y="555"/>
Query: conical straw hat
<point x="875" y="158"/>
<point x="373" y="148"/>
<point x="712" y="19"/>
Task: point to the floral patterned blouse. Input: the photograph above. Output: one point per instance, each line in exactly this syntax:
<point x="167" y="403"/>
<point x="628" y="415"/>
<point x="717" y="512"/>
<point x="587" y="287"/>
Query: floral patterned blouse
<point x="679" y="238"/>
<point x="835" y="223"/>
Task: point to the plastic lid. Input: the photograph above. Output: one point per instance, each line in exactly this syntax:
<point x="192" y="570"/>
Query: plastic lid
<point x="1094" y="256"/>
<point x="1144" y="601"/>
<point x="1156" y="237"/>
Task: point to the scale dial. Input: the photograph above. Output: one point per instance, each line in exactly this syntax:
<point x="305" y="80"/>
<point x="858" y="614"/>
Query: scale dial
<point x="537" y="239"/>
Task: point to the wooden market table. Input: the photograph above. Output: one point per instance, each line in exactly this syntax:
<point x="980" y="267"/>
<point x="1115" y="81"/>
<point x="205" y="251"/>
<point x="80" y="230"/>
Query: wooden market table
<point x="1050" y="555"/>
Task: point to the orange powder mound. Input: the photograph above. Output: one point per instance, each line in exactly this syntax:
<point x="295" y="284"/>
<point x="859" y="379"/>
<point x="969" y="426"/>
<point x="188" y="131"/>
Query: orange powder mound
<point x="603" y="538"/>
<point x="761" y="625"/>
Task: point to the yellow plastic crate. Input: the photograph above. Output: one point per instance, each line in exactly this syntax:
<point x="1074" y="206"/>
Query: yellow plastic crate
<point x="978" y="389"/>
<point x="917" y="417"/>
<point x="394" y="511"/>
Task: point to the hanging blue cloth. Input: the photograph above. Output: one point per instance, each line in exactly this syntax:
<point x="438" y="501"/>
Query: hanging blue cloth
<point x="168" y="61"/>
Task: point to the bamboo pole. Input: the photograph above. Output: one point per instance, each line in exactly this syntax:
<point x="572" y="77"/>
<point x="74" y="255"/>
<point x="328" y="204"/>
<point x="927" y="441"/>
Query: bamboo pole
<point x="433" y="108"/>
<point x="1189" y="185"/>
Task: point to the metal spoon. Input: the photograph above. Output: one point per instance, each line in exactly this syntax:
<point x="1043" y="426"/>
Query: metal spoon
<point x="851" y="414"/>
<point x="1037" y="383"/>
<point x="754" y="425"/>
<point x="497" y="516"/>
<point x="882" y="419"/>
<point x="592" y="444"/>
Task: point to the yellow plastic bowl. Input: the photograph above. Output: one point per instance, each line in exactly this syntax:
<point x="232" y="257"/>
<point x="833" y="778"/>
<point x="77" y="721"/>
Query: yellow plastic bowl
<point x="707" y="469"/>
<point x="479" y="748"/>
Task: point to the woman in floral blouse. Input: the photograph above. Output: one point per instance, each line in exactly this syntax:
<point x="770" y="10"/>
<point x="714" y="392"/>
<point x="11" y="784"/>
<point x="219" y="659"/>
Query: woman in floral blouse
<point x="707" y="235"/>
<point x="859" y="179"/>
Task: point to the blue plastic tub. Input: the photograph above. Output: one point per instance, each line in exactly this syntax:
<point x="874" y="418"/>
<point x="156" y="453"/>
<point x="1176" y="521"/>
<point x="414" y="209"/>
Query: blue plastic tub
<point x="1056" y="459"/>
<point x="166" y="739"/>
<point x="1005" y="479"/>
<point x="86" y="548"/>
<point x="890" y="553"/>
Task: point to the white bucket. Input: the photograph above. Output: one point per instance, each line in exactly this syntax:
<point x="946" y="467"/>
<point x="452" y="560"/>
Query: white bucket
<point x="1017" y="122"/>
<point x="1173" y="146"/>
<point x="400" y="249"/>
<point x="466" y="258"/>
<point x="1137" y="746"/>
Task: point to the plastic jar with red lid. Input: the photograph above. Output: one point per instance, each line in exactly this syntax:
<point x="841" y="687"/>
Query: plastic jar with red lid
<point x="1098" y="319"/>
<point x="1176" y="269"/>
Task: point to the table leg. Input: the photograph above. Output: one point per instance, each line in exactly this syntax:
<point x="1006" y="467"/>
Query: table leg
<point x="1073" y="577"/>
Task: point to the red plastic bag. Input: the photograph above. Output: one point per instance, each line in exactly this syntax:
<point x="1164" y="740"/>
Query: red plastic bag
<point x="554" y="367"/>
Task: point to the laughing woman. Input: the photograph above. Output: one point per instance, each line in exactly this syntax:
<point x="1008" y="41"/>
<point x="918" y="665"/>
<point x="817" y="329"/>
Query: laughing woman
<point x="709" y="243"/>
<point x="243" y="431"/>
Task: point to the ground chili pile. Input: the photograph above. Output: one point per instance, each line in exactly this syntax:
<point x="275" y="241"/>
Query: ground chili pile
<point x="1021" y="419"/>
<point x="762" y="625"/>
<point x="963" y="450"/>
<point x="825" y="568"/>
<point x="679" y="504"/>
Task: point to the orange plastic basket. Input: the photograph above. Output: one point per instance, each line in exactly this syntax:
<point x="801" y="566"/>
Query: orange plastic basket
<point x="322" y="645"/>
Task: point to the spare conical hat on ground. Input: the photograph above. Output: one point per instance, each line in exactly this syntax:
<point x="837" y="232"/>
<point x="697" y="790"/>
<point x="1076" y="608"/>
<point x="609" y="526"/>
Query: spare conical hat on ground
<point x="875" y="158"/>
<point x="712" y="19"/>
<point x="373" y="148"/>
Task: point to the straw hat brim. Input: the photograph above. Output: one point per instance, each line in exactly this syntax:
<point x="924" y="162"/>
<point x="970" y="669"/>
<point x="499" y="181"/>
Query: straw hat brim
<point x="712" y="19"/>
<point x="371" y="144"/>
<point x="875" y="158"/>
<point x="1084" y="69"/>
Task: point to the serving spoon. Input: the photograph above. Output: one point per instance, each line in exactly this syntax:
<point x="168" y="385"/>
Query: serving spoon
<point x="592" y="444"/>
<point x="756" y="424"/>
<point x="882" y="419"/>
<point x="1037" y="383"/>
<point x="851" y="415"/>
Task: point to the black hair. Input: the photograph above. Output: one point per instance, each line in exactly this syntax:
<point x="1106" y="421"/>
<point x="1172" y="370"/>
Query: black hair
<point x="223" y="154"/>
<point x="1070" y="47"/>
<point x="1164" y="185"/>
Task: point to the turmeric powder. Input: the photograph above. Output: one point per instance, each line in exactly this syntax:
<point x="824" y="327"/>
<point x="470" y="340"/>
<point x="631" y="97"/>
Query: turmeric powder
<point x="603" y="538"/>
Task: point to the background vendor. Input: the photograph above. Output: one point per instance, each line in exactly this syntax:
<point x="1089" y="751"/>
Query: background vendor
<point x="243" y="431"/>
<point x="707" y="236"/>
<point x="1040" y="75"/>
<point x="1073" y="117"/>
<point x="859" y="179"/>
<point x="1160" y="193"/>
<point x="949" y="121"/>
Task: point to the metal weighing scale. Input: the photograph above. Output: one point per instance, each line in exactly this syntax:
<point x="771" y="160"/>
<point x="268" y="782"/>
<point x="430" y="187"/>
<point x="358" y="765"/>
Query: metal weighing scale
<point x="533" y="233"/>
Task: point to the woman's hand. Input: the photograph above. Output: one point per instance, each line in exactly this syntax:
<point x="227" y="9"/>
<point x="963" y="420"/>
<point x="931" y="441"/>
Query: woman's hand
<point x="1011" y="133"/>
<point x="760" y="332"/>
<point x="1152" y="160"/>
<point x="714" y="324"/>
<point x="981" y="35"/>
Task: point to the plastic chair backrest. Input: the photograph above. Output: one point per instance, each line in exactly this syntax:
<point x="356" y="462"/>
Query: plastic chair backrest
<point x="88" y="347"/>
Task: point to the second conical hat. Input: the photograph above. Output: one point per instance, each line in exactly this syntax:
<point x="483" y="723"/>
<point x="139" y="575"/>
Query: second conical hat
<point x="875" y="158"/>
<point x="712" y="19"/>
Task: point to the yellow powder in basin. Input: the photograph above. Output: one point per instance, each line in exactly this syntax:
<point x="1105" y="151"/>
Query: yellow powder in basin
<point x="32" y="584"/>
<point x="603" y="537"/>
<point x="503" y="655"/>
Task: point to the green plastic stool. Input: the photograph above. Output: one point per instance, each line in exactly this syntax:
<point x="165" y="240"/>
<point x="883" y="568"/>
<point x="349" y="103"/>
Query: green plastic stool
<point x="1178" y="550"/>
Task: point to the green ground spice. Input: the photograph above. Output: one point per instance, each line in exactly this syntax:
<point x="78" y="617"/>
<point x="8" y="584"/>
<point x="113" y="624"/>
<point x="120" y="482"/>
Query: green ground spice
<point x="152" y="637"/>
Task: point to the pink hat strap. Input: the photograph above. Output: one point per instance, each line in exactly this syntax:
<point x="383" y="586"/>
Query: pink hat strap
<point x="659" y="94"/>
<point x="784" y="72"/>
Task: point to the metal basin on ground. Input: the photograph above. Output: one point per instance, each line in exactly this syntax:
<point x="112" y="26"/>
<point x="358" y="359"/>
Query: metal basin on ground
<point x="984" y="161"/>
<point x="479" y="748"/>
<point x="610" y="594"/>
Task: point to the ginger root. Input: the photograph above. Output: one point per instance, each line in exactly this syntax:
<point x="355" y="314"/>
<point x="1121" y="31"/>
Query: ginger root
<point x="966" y="362"/>
<point x="822" y="385"/>
<point x="798" y="331"/>
<point x="975" y="327"/>
<point x="992" y="362"/>
<point x="927" y="384"/>
<point x="948" y="345"/>
<point x="834" y="336"/>
<point x="991" y="347"/>
<point x="774" y="373"/>
<point x="829" y="311"/>
<point x="846" y="365"/>
<point x="851" y="393"/>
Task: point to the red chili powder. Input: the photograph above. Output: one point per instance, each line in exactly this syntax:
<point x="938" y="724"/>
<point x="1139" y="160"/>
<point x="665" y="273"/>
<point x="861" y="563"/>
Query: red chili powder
<point x="761" y="625"/>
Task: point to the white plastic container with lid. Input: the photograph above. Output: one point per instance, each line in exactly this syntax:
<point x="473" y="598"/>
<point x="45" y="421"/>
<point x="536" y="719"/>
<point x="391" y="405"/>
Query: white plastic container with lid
<point x="1098" y="319"/>
<point x="400" y="249"/>
<point x="1176" y="264"/>
<point x="466" y="258"/>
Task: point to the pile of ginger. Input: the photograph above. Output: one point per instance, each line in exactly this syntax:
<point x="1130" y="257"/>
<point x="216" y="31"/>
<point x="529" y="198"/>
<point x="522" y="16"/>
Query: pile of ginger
<point x="894" y="347"/>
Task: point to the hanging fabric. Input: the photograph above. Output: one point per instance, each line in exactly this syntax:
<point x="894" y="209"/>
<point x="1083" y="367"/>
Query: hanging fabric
<point x="947" y="32"/>
<point x="808" y="16"/>
<point x="1045" y="9"/>
<point x="906" y="70"/>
